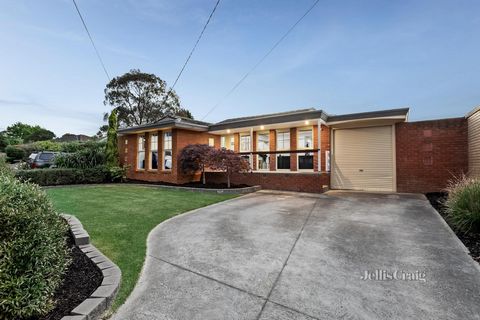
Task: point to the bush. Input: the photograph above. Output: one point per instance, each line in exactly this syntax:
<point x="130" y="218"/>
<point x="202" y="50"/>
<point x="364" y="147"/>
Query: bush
<point x="90" y="156"/>
<point x="15" y="153"/>
<point x="62" y="176"/>
<point x="463" y="204"/>
<point x="33" y="251"/>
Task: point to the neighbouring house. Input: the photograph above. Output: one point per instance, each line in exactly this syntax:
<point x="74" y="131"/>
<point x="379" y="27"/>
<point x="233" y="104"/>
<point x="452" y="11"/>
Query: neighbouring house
<point x="312" y="151"/>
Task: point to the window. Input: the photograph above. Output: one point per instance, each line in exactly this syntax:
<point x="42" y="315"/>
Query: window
<point x="263" y="160"/>
<point x="283" y="140"/>
<point x="141" y="153"/>
<point x="244" y="143"/>
<point x="305" y="139"/>
<point x="227" y="142"/>
<point x="263" y="141"/>
<point x="154" y="151"/>
<point x="305" y="161"/>
<point x="211" y="142"/>
<point x="283" y="161"/>
<point x="126" y="141"/>
<point x="167" y="150"/>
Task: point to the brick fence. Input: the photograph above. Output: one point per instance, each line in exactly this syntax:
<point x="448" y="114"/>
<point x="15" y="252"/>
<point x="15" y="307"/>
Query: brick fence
<point x="303" y="182"/>
<point x="429" y="153"/>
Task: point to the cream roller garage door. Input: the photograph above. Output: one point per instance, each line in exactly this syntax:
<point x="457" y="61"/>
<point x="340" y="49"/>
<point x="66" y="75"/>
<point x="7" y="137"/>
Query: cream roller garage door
<point x="363" y="159"/>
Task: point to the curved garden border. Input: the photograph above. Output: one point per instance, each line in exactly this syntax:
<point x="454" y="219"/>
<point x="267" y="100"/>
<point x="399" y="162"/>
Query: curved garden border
<point x="244" y="190"/>
<point x="100" y="300"/>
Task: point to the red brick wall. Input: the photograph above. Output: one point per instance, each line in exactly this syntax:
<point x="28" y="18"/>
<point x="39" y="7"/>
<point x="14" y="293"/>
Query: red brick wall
<point x="429" y="153"/>
<point x="301" y="182"/>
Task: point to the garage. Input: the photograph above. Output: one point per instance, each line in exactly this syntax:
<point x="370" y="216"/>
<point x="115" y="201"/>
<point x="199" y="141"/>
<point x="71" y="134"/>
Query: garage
<point x="363" y="158"/>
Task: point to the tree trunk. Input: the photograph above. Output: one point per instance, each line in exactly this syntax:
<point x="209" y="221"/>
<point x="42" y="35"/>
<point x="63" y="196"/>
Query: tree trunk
<point x="203" y="175"/>
<point x="228" y="181"/>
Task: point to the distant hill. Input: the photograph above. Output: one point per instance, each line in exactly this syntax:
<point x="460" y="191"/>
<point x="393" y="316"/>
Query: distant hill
<point x="69" y="137"/>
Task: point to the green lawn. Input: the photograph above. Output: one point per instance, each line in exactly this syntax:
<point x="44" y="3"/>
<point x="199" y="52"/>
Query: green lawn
<point x="119" y="218"/>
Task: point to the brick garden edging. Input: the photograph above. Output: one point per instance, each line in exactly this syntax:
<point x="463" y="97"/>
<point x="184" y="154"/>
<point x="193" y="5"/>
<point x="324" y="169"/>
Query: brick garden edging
<point x="100" y="300"/>
<point x="244" y="190"/>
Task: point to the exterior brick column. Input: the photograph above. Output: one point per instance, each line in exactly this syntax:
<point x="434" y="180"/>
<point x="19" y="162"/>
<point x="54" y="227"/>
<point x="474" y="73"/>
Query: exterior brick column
<point x="273" y="146"/>
<point x="293" y="146"/>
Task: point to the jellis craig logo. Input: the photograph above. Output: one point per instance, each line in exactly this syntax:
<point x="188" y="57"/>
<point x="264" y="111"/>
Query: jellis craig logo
<point x="386" y="275"/>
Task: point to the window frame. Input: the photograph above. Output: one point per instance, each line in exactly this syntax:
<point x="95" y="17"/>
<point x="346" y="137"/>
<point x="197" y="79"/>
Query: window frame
<point x="283" y="131"/>
<point x="313" y="161"/>
<point x="244" y="135"/>
<point x="212" y="140"/>
<point x="262" y="133"/>
<point x="290" y="161"/>
<point x="151" y="150"/>
<point x="309" y="128"/>
<point x="268" y="162"/>
<point x="142" y="150"/>
<point x="164" y="150"/>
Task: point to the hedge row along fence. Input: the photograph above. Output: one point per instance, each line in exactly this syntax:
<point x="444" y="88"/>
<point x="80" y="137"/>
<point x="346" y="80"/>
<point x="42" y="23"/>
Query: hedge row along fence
<point x="63" y="176"/>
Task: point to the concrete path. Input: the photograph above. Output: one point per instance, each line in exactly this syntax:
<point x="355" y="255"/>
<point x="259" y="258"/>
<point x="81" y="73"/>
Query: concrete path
<point x="291" y="256"/>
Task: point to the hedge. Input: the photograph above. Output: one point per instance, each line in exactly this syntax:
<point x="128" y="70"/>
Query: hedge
<point x="62" y="176"/>
<point x="33" y="251"/>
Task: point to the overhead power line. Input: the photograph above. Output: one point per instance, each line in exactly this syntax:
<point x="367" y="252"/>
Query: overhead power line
<point x="245" y="76"/>
<point x="91" y="40"/>
<point x="191" y="52"/>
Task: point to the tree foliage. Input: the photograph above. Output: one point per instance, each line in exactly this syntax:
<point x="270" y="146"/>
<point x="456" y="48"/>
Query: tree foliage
<point x="228" y="162"/>
<point x="141" y="98"/>
<point x="111" y="149"/>
<point x="196" y="157"/>
<point x="26" y="133"/>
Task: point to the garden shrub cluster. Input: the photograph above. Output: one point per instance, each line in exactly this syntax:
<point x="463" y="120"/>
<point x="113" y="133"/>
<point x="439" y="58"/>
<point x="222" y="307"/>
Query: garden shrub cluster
<point x="63" y="176"/>
<point x="15" y="153"/>
<point x="33" y="251"/>
<point x="89" y="157"/>
<point x="463" y="204"/>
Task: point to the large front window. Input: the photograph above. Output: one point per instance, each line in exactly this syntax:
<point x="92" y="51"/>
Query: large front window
<point x="263" y="161"/>
<point x="305" y="139"/>
<point x="305" y="161"/>
<point x="283" y="140"/>
<point x="167" y="150"/>
<point x="263" y="141"/>
<point x="227" y="142"/>
<point x="154" y="151"/>
<point x="283" y="161"/>
<point x="141" y="153"/>
<point x="244" y="143"/>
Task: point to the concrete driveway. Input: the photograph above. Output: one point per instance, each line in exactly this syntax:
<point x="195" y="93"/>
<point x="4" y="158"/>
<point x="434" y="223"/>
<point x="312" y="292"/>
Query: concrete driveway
<point x="293" y="256"/>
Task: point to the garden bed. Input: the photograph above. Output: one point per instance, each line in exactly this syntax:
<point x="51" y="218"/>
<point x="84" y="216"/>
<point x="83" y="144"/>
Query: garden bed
<point x="81" y="279"/>
<point x="471" y="241"/>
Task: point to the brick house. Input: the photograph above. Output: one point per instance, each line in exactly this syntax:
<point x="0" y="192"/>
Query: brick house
<point x="309" y="150"/>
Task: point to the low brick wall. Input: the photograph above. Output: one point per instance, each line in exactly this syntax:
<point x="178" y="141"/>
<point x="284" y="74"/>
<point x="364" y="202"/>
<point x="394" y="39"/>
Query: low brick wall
<point x="429" y="153"/>
<point x="301" y="182"/>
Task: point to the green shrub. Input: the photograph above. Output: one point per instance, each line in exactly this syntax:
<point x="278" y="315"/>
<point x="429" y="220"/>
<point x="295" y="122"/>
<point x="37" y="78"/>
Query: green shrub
<point x="33" y="251"/>
<point x="63" y="176"/>
<point x="463" y="204"/>
<point x="90" y="156"/>
<point x="15" y="153"/>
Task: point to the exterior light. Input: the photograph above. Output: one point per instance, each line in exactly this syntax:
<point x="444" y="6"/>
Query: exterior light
<point x="228" y="130"/>
<point x="262" y="127"/>
<point x="307" y="122"/>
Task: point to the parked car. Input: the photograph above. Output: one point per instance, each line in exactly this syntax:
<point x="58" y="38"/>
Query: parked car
<point x="31" y="158"/>
<point x="44" y="159"/>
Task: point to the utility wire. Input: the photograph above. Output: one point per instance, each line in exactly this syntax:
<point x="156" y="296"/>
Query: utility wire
<point x="245" y="76"/>
<point x="91" y="40"/>
<point x="191" y="52"/>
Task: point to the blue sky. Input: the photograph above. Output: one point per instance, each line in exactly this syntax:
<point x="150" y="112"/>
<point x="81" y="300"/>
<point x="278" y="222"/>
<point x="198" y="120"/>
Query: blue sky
<point x="346" y="56"/>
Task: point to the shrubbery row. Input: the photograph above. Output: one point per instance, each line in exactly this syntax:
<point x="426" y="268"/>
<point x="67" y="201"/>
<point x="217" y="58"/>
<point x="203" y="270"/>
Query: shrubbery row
<point x="62" y="176"/>
<point x="33" y="251"/>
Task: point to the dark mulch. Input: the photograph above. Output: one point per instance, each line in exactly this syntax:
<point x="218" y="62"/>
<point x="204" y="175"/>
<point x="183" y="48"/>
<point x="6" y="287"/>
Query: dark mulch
<point x="80" y="281"/>
<point x="471" y="241"/>
<point x="192" y="184"/>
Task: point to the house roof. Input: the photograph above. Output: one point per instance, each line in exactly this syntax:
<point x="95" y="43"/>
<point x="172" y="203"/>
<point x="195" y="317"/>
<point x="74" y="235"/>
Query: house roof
<point x="401" y="112"/>
<point x="471" y="113"/>
<point x="271" y="118"/>
<point x="169" y="121"/>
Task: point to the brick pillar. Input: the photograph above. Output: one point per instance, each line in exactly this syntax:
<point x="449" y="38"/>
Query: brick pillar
<point x="315" y="146"/>
<point x="236" y="139"/>
<point x="254" y="157"/>
<point x="293" y="146"/>
<point x="325" y="145"/>
<point x="273" y="146"/>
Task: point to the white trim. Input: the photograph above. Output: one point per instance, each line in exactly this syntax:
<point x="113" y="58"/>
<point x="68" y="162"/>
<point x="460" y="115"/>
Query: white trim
<point x="285" y="130"/>
<point x="268" y="163"/>
<point x="319" y="138"/>
<point x="268" y="136"/>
